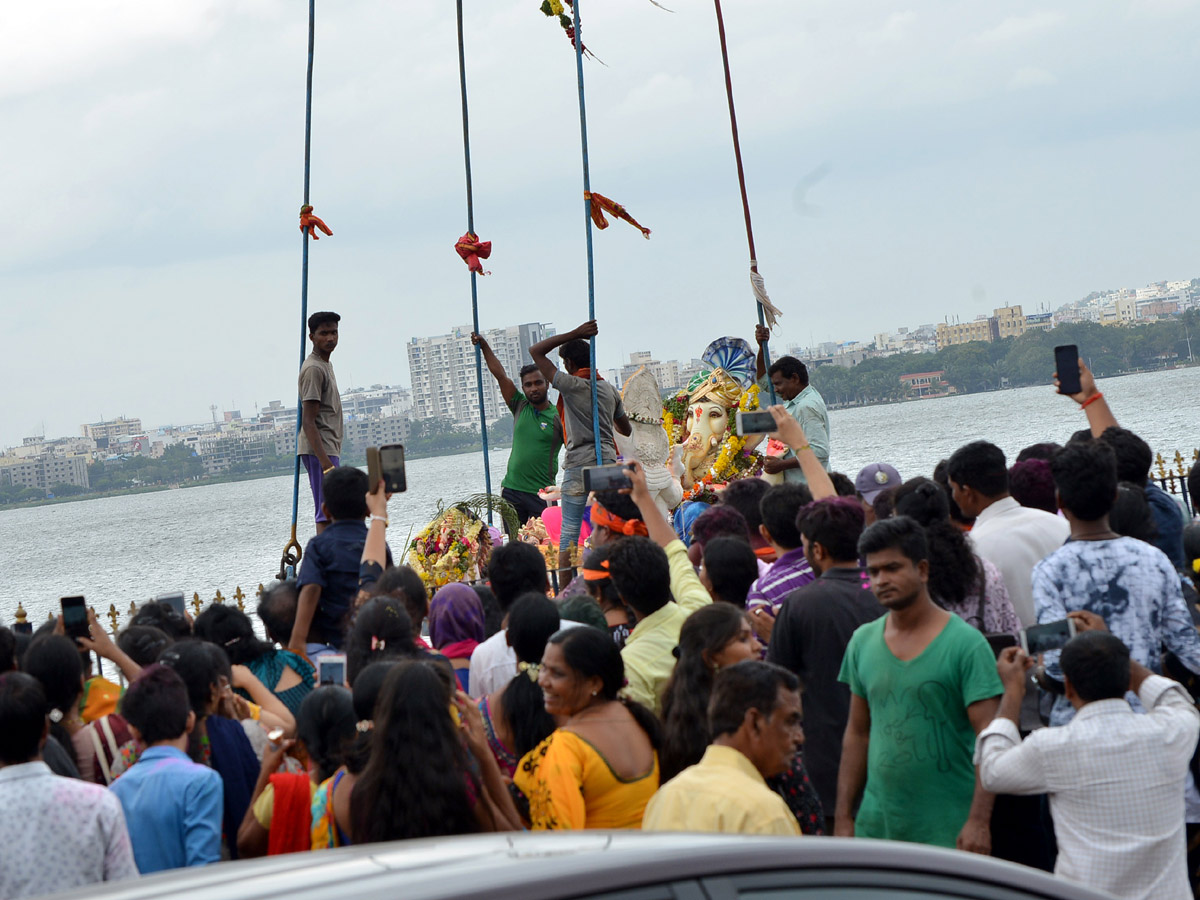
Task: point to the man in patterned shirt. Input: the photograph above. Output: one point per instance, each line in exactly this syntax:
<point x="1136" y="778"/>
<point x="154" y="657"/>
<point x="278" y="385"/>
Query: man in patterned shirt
<point x="1127" y="582"/>
<point x="57" y="833"/>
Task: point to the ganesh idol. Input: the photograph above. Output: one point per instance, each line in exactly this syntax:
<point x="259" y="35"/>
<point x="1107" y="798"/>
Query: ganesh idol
<point x="709" y="452"/>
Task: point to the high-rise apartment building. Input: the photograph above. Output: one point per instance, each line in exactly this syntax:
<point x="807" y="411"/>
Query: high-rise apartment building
<point x="442" y="369"/>
<point x="103" y="432"/>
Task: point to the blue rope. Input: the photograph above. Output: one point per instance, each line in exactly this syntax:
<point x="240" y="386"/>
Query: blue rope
<point x="312" y="14"/>
<point x="587" y="219"/>
<point x="462" y="81"/>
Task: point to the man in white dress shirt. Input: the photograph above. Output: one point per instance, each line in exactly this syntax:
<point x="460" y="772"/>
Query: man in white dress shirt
<point x="1014" y="538"/>
<point x="1115" y="778"/>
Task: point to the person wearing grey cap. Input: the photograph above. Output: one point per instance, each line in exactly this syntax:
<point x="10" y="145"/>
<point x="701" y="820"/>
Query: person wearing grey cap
<point x="872" y="481"/>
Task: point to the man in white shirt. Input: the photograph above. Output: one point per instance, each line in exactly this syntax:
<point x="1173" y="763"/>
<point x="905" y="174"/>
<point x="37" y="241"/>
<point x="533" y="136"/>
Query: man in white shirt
<point x="1115" y="778"/>
<point x="56" y="833"/>
<point x="514" y="569"/>
<point x="1012" y="537"/>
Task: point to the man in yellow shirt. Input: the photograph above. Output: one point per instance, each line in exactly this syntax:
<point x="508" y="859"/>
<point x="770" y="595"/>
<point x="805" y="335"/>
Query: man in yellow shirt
<point x="754" y="716"/>
<point x="647" y="576"/>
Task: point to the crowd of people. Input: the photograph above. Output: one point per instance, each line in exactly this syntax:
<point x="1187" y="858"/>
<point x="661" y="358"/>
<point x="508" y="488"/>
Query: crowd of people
<point x="823" y="656"/>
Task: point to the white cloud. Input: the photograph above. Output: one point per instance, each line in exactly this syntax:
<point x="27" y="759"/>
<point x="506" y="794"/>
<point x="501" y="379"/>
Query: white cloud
<point x="661" y="92"/>
<point x="1031" y="77"/>
<point x="894" y="30"/>
<point x="1019" y="28"/>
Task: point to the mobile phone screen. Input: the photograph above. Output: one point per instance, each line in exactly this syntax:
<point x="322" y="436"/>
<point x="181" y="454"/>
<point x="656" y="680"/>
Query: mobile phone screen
<point x="755" y="423"/>
<point x="173" y="600"/>
<point x="1051" y="636"/>
<point x="1066" y="363"/>
<point x="391" y="464"/>
<point x="75" y="620"/>
<point x="331" y="669"/>
<point x="606" y="478"/>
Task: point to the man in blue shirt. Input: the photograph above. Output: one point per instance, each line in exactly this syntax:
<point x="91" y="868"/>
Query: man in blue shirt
<point x="328" y="581"/>
<point x="172" y="805"/>
<point x="789" y="378"/>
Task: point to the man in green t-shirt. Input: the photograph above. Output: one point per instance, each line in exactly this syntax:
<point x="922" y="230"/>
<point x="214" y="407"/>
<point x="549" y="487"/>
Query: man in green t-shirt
<point x="537" y="435"/>
<point x="923" y="684"/>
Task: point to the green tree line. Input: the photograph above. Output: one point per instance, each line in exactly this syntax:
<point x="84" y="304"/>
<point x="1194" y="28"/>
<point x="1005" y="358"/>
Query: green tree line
<point x="1015" y="362"/>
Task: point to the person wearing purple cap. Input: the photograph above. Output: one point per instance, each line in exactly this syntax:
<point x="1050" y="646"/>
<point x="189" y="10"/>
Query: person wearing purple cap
<point x="872" y="481"/>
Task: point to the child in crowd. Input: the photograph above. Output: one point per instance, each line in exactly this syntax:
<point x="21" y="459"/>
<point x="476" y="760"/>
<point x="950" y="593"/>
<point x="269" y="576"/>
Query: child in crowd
<point x="172" y="805"/>
<point x="328" y="579"/>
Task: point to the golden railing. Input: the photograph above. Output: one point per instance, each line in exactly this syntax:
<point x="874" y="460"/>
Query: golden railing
<point x="21" y="619"/>
<point x="1172" y="475"/>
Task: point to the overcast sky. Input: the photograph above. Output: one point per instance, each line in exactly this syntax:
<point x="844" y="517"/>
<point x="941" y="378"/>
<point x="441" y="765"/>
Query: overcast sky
<point x="905" y="162"/>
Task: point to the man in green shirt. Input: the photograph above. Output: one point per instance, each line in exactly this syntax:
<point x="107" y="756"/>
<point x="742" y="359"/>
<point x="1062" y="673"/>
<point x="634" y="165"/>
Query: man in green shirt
<point x="923" y="684"/>
<point x="537" y="435"/>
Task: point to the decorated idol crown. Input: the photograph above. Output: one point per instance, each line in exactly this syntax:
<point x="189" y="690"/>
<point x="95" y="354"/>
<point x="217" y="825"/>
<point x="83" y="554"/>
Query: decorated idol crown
<point x="732" y="370"/>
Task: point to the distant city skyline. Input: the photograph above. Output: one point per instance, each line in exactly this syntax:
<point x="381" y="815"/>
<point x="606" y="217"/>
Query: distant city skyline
<point x="902" y="164"/>
<point x="512" y="343"/>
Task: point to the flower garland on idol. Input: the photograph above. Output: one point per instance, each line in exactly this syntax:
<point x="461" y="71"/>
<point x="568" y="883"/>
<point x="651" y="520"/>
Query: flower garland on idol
<point x="447" y="549"/>
<point x="733" y="459"/>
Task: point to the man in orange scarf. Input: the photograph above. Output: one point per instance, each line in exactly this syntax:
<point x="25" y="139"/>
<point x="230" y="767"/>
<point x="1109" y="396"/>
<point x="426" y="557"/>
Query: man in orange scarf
<point x="575" y="407"/>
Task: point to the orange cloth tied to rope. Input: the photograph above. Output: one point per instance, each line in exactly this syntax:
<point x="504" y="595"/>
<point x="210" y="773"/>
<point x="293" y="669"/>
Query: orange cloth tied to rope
<point x="472" y="250"/>
<point x="602" y="517"/>
<point x="600" y="204"/>
<point x="309" y="223"/>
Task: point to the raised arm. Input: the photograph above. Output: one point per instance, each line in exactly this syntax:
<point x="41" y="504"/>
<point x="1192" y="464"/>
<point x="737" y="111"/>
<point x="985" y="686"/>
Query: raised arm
<point x="508" y="390"/>
<point x="1100" y="417"/>
<point x="790" y="432"/>
<point x="659" y="529"/>
<point x="762" y="334"/>
<point x="540" y="351"/>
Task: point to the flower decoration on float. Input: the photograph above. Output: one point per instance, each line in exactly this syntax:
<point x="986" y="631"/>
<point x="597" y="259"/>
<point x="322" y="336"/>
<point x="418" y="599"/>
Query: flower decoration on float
<point x="447" y="550"/>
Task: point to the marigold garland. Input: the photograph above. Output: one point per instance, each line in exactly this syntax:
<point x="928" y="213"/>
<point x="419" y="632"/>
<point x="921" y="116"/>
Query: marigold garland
<point x="447" y="549"/>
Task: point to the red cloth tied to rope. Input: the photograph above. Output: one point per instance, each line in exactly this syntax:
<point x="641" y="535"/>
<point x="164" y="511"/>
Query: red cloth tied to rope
<point x="472" y="250"/>
<point x="601" y="204"/>
<point x="309" y="223"/>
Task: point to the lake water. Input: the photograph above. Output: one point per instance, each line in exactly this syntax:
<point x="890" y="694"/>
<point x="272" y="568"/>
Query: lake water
<point x="123" y="549"/>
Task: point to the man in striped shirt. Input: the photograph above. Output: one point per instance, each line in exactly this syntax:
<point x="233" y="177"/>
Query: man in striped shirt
<point x="791" y="570"/>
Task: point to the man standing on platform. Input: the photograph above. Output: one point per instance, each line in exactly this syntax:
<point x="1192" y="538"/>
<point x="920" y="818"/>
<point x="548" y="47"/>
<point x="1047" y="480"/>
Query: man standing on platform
<point x="319" y="443"/>
<point x="789" y="377"/>
<point x="575" y="408"/>
<point x="537" y="435"/>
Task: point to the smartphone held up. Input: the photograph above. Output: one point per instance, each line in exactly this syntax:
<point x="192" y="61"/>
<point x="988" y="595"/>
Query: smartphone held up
<point x="1066" y="364"/>
<point x="75" y="617"/>
<point x="760" y="422"/>
<point x="1050" y="636"/>
<point x="387" y="463"/>
<point x="606" y="478"/>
